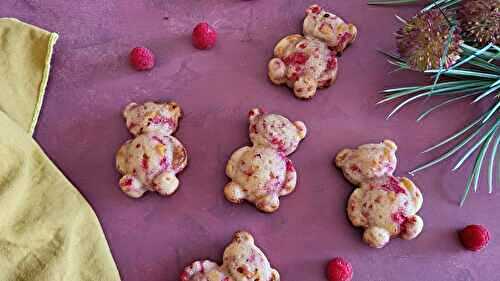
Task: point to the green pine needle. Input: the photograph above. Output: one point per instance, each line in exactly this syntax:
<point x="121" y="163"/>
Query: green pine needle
<point x="492" y="163"/>
<point x="467" y="189"/>
<point x="474" y="55"/>
<point x="444" y="55"/>
<point x="439" y="105"/>
<point x="476" y="171"/>
<point x="475" y="146"/>
<point x="491" y="90"/>
<point x="482" y="154"/>
<point x="487" y="55"/>
<point x="443" y="4"/>
<point x="449" y="153"/>
<point x="456" y="135"/>
<point x="491" y="112"/>
<point x="455" y="72"/>
<point x="391" y="2"/>
<point x="450" y="87"/>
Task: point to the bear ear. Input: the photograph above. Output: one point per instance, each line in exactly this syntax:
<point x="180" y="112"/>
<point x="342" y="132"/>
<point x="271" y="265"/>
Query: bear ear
<point x="175" y="108"/>
<point x="301" y="129"/>
<point x="254" y="113"/>
<point x="391" y="145"/>
<point x="341" y="157"/>
<point x="243" y="236"/>
<point x="414" y="192"/>
<point x="128" y="108"/>
<point x="353" y="30"/>
<point x="313" y="9"/>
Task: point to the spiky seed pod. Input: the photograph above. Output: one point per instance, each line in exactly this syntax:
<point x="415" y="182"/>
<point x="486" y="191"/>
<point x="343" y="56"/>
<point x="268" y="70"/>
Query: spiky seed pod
<point x="421" y="41"/>
<point x="480" y="21"/>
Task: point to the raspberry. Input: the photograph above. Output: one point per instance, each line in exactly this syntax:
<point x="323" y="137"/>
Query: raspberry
<point x="296" y="58"/>
<point x="474" y="237"/>
<point x="141" y="58"/>
<point x="184" y="276"/>
<point x="204" y="36"/>
<point x="339" y="269"/>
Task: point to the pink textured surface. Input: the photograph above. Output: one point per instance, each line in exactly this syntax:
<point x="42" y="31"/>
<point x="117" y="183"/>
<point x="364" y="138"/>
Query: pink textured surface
<point x="153" y="238"/>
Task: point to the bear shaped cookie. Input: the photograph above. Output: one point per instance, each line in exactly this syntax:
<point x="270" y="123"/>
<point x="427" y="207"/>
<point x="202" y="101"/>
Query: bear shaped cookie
<point x="152" y="159"/>
<point x="242" y="261"/>
<point x="329" y="28"/>
<point x="308" y="62"/>
<point x="303" y="64"/>
<point x="261" y="173"/>
<point x="384" y="205"/>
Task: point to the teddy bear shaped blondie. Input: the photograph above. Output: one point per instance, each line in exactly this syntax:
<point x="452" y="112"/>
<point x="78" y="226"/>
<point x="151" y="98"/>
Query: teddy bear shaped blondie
<point x="384" y="205"/>
<point x="261" y="173"/>
<point x="151" y="160"/>
<point x="308" y="62"/>
<point x="242" y="261"/>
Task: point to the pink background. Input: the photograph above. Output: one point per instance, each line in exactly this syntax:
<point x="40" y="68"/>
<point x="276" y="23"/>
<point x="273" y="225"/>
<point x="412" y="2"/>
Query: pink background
<point x="153" y="238"/>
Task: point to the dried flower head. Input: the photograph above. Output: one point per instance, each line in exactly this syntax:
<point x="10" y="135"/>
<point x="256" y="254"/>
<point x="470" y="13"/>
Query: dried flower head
<point x="422" y="41"/>
<point x="480" y="21"/>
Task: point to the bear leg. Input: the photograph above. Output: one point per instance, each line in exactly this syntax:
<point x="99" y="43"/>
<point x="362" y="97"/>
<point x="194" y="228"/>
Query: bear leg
<point x="277" y="71"/>
<point x="202" y="270"/>
<point x="132" y="186"/>
<point x="305" y="87"/>
<point x="275" y="276"/>
<point x="234" y="193"/>
<point x="376" y="237"/>
<point x="165" y="183"/>
<point x="412" y="227"/>
<point x="121" y="158"/>
<point x="268" y="203"/>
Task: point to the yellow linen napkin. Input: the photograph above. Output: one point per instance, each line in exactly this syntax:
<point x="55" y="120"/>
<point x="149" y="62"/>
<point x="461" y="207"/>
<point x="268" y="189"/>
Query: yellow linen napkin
<point x="47" y="229"/>
<point x="25" y="53"/>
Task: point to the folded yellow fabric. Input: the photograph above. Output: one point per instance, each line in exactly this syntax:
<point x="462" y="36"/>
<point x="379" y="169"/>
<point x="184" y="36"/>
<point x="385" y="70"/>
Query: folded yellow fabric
<point x="25" y="53"/>
<point x="47" y="229"/>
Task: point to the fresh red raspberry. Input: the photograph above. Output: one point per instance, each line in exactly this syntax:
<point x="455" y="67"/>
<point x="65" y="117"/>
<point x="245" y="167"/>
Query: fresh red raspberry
<point x="339" y="269"/>
<point x="204" y="36"/>
<point x="141" y="58"/>
<point x="474" y="237"/>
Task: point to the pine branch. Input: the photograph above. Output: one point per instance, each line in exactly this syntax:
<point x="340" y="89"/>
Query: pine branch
<point x="476" y="75"/>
